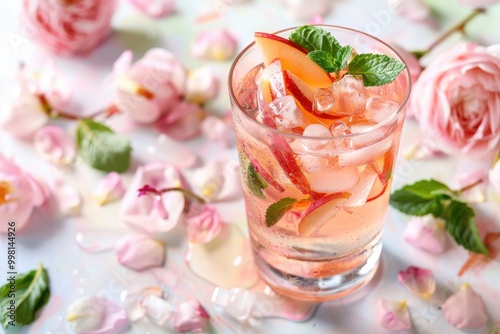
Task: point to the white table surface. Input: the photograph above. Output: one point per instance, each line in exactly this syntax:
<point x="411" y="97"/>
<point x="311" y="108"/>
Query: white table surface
<point x="74" y="272"/>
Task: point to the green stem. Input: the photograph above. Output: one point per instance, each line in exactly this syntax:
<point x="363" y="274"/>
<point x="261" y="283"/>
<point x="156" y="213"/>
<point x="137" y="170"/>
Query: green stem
<point x="186" y="192"/>
<point x="457" y="28"/>
<point x="470" y="186"/>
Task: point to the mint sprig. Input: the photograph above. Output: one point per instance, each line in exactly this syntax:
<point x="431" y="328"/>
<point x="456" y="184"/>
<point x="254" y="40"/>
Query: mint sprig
<point x="326" y="51"/>
<point x="277" y="210"/>
<point x="435" y="198"/>
<point x="255" y="182"/>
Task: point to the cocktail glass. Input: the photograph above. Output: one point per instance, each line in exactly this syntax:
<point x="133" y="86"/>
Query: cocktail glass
<point x="330" y="192"/>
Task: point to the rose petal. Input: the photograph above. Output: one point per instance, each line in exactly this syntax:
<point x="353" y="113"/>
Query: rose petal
<point x="476" y="194"/>
<point x="67" y="197"/>
<point x="151" y="215"/>
<point x="53" y="86"/>
<point x="96" y="315"/>
<point x="214" y="45"/>
<point x="202" y="85"/>
<point x="190" y="316"/>
<point x="139" y="252"/>
<point x="203" y="224"/>
<point x="394" y="316"/>
<point x="494" y="176"/>
<point x="217" y="130"/>
<point x="55" y="145"/>
<point x="24" y="116"/>
<point x="418" y="281"/>
<point x="109" y="189"/>
<point x="155" y="8"/>
<point x="465" y="309"/>
<point x="426" y="233"/>
<point x="413" y="10"/>
<point x="219" y="180"/>
<point x="183" y="122"/>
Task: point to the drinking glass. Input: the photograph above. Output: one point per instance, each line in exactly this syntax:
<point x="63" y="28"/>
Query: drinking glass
<point x="332" y="192"/>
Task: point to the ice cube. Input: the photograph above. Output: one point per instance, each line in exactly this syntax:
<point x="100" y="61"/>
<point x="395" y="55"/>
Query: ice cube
<point x="378" y="110"/>
<point x="363" y="188"/>
<point x="366" y="134"/>
<point x="339" y="129"/>
<point x="365" y="154"/>
<point x="285" y="113"/>
<point x="349" y="96"/>
<point x="274" y="74"/>
<point x="323" y="100"/>
<point x="334" y="181"/>
<point x="313" y="163"/>
<point x="249" y="100"/>
<point x="315" y="130"/>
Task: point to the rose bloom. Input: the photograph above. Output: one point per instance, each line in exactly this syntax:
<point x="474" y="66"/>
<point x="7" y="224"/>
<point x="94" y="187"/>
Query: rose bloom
<point x="70" y="26"/>
<point x="457" y="99"/>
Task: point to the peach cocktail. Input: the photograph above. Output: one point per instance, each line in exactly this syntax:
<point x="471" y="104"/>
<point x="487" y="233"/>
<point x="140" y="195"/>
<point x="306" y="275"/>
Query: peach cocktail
<point x="318" y="114"/>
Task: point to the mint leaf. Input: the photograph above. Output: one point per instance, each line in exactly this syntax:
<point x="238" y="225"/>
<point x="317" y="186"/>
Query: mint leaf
<point x="32" y="292"/>
<point x="329" y="62"/>
<point x="276" y="210"/>
<point x="376" y="69"/>
<point x="421" y="198"/>
<point x="255" y="182"/>
<point x="313" y="38"/>
<point x="461" y="225"/>
<point x="101" y="148"/>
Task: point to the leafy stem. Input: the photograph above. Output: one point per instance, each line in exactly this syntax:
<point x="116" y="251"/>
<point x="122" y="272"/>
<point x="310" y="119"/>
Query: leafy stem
<point x="459" y="27"/>
<point x="147" y="189"/>
<point x="470" y="186"/>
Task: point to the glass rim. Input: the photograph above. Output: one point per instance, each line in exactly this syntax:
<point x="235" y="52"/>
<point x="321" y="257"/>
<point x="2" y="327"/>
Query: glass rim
<point x="298" y="136"/>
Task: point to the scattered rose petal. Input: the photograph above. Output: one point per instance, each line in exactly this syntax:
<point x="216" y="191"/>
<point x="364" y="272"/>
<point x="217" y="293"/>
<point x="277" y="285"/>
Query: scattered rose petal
<point x="465" y="309"/>
<point x="476" y="261"/>
<point x="203" y="223"/>
<point x="109" y="189"/>
<point x="219" y="180"/>
<point x="55" y="145"/>
<point x="190" y="316"/>
<point x="477" y="193"/>
<point x="53" y="86"/>
<point x="418" y="281"/>
<point x="96" y="315"/>
<point x="306" y="9"/>
<point x="158" y="310"/>
<point x="139" y="252"/>
<point x="214" y="45"/>
<point x="69" y="27"/>
<point x="20" y="193"/>
<point x="393" y="315"/>
<point x="154" y="214"/>
<point x="155" y="8"/>
<point x="202" y="85"/>
<point x="217" y="130"/>
<point x="426" y="233"/>
<point x="316" y="19"/>
<point x="150" y="87"/>
<point x="67" y="197"/>
<point x="494" y="174"/>
<point x="24" y="116"/>
<point x="183" y="122"/>
<point x="413" y="10"/>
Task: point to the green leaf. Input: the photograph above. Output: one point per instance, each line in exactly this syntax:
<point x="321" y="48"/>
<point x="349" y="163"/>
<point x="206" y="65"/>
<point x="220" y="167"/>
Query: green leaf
<point x="376" y="69"/>
<point x="421" y="198"/>
<point x="255" y="181"/>
<point x="314" y="38"/>
<point x="276" y="210"/>
<point x="461" y="225"/>
<point x="32" y="292"/>
<point x="329" y="62"/>
<point x="101" y="148"/>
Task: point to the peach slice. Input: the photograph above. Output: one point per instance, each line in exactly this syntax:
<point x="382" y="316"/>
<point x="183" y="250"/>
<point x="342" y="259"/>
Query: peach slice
<point x="293" y="58"/>
<point x="321" y="211"/>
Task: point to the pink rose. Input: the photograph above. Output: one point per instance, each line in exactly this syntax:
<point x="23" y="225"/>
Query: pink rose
<point x="155" y="8"/>
<point x="55" y="145"/>
<point x="214" y="45"/>
<point x="477" y="3"/>
<point x="20" y="193"/>
<point x="150" y="87"/>
<point x="154" y="214"/>
<point x="457" y="98"/>
<point x="203" y="224"/>
<point x="69" y="27"/>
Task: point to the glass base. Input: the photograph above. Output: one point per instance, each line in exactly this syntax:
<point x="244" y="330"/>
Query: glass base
<point x="324" y="288"/>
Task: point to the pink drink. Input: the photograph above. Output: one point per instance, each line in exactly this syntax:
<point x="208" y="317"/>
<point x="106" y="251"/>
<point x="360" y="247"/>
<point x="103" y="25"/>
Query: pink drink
<point x="332" y="172"/>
